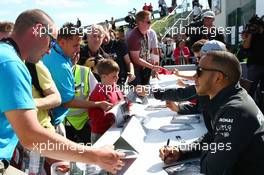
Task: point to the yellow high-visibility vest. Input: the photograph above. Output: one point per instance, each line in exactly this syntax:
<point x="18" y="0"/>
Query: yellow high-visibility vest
<point x="77" y="116"/>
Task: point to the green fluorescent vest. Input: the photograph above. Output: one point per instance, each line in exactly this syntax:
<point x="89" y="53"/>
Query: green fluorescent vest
<point x="76" y="116"/>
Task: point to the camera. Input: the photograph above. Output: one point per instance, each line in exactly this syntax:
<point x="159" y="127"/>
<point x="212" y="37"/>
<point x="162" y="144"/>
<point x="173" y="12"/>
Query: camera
<point x="130" y="19"/>
<point x="98" y="58"/>
<point x="78" y="23"/>
<point x="255" y="25"/>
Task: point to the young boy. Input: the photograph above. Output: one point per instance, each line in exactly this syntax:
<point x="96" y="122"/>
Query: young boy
<point x="107" y="90"/>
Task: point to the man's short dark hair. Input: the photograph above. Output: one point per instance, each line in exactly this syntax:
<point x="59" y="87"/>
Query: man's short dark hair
<point x="68" y="31"/>
<point x="228" y="63"/>
<point x="196" y="47"/>
<point x="107" y="66"/>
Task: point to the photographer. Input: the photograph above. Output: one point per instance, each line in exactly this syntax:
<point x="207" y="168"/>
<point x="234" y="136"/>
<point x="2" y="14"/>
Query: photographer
<point x="197" y="8"/>
<point x="119" y="52"/>
<point x="163" y="8"/>
<point x="253" y="50"/>
<point x="91" y="53"/>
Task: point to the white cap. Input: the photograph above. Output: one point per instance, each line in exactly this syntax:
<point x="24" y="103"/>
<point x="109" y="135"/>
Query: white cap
<point x="213" y="45"/>
<point x="209" y="14"/>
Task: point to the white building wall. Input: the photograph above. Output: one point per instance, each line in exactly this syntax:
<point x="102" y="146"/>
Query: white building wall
<point x="220" y="19"/>
<point x="259" y="7"/>
<point x="229" y="6"/>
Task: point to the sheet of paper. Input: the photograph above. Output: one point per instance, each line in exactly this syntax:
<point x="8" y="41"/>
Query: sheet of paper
<point x="175" y="127"/>
<point x="121" y="113"/>
<point x="193" y="118"/>
<point x="134" y="134"/>
<point x="155" y="107"/>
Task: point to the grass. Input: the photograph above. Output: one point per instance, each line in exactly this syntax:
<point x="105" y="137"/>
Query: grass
<point x="161" y="25"/>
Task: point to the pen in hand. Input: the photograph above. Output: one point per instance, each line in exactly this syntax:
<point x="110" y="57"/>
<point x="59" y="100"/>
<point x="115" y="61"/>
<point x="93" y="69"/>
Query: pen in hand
<point x="170" y="155"/>
<point x="168" y="142"/>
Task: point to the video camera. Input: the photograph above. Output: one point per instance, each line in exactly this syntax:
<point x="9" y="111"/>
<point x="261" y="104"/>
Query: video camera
<point x="196" y="22"/>
<point x="131" y="19"/>
<point x="98" y="58"/>
<point x="255" y="25"/>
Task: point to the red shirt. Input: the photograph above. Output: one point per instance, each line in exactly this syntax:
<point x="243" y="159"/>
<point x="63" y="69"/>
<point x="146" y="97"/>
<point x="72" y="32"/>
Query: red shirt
<point x="99" y="120"/>
<point x="150" y="8"/>
<point x="145" y="7"/>
<point x="137" y="41"/>
<point x="177" y="53"/>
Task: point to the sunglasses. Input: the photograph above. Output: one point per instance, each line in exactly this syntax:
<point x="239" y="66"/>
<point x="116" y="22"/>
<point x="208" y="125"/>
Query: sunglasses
<point x="199" y="71"/>
<point x="52" y="41"/>
<point x="148" y="22"/>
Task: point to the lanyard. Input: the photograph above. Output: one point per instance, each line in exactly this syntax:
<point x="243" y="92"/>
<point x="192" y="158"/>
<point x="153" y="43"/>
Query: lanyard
<point x="12" y="43"/>
<point x="60" y="53"/>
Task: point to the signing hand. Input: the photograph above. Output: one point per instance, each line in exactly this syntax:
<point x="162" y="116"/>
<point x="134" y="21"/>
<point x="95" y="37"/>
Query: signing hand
<point x="169" y="154"/>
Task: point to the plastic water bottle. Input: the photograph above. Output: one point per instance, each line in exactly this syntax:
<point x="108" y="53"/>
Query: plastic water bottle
<point x="77" y="168"/>
<point x="94" y="170"/>
<point x="35" y="163"/>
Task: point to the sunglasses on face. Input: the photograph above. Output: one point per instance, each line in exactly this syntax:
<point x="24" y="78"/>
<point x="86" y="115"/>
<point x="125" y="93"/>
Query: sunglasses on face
<point x="148" y="22"/>
<point x="200" y="70"/>
<point x="52" y="41"/>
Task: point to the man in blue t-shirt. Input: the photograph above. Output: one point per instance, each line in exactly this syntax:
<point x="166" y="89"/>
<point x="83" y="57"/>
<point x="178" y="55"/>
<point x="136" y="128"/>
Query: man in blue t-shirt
<point x="60" y="66"/>
<point x="30" y="41"/>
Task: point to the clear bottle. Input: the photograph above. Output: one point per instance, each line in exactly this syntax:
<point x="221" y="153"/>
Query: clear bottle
<point x="94" y="170"/>
<point x="35" y="164"/>
<point x="77" y="168"/>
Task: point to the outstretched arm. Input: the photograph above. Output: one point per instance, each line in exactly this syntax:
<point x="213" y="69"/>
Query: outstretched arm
<point x="55" y="146"/>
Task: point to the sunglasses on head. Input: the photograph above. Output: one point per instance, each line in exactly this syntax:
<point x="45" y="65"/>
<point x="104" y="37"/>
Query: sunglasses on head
<point x="199" y="71"/>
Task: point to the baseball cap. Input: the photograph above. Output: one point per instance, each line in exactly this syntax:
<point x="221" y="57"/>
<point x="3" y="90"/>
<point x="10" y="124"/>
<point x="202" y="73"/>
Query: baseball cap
<point x="213" y="45"/>
<point x="209" y="14"/>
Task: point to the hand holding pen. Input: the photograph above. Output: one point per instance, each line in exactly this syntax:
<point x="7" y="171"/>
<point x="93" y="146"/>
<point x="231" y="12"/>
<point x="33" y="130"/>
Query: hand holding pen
<point x="168" y="142"/>
<point x="169" y="153"/>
